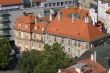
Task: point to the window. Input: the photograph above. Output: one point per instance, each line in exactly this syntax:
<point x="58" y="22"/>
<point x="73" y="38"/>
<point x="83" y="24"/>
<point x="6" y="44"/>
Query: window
<point x="62" y="40"/>
<point x="69" y="50"/>
<point x="69" y="42"/>
<point x="46" y="5"/>
<point x="54" y="4"/>
<point x="34" y="35"/>
<point x="75" y="43"/>
<point x="33" y="43"/>
<point x="58" y="4"/>
<point x="79" y="43"/>
<point x="19" y="34"/>
<point x="26" y="42"/>
<point x="108" y="4"/>
<point x="40" y="45"/>
<point x="26" y="36"/>
<point x="55" y="39"/>
<point x="26" y="27"/>
<point x="19" y="26"/>
<point x="35" y="27"/>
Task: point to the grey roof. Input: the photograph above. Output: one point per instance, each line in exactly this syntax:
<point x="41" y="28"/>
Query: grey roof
<point x="103" y="55"/>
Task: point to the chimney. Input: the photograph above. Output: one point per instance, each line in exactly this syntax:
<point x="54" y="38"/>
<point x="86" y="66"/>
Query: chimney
<point x="80" y="7"/>
<point x="51" y="14"/>
<point x="73" y="18"/>
<point x="36" y="20"/>
<point x="52" y="11"/>
<point x="95" y="56"/>
<point x="51" y="17"/>
<point x="86" y="19"/>
<point x="92" y="57"/>
<point x="59" y="16"/>
<point x="39" y="15"/>
<point x="67" y="7"/>
<point x="42" y="30"/>
<point x="59" y="70"/>
<point x="24" y="14"/>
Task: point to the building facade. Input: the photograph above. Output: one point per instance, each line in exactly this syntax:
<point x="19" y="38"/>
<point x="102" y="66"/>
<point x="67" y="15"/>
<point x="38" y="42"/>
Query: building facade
<point x="87" y="4"/>
<point x="72" y="27"/>
<point x="5" y="25"/>
<point x="103" y="14"/>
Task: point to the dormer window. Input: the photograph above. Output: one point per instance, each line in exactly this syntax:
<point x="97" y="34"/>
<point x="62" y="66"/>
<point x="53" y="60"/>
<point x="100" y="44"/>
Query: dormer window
<point x="36" y="28"/>
<point x="19" y="26"/>
<point x="26" y="27"/>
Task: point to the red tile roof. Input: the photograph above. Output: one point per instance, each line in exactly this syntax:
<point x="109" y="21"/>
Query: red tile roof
<point x="72" y="10"/>
<point x="88" y="66"/>
<point x="39" y="27"/>
<point x="108" y="11"/>
<point x="77" y="30"/>
<point x="10" y="2"/>
<point x="29" y="20"/>
<point x="95" y="67"/>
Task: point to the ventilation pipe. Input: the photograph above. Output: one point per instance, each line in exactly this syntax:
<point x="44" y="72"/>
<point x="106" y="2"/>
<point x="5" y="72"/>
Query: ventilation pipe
<point x="59" y="16"/>
<point x="73" y="18"/>
<point x="86" y="19"/>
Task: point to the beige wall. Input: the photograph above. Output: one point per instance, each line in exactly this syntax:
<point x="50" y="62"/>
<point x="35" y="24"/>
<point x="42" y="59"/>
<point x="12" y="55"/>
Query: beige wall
<point x="68" y="44"/>
<point x="26" y="43"/>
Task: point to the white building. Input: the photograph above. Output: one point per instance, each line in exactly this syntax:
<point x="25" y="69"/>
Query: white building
<point x="103" y="16"/>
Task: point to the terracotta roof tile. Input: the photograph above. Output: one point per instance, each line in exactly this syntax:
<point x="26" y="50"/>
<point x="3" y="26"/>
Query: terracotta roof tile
<point x="29" y="20"/>
<point x="95" y="67"/>
<point x="89" y="67"/>
<point x="10" y="2"/>
<point x="39" y="26"/>
<point x="77" y="30"/>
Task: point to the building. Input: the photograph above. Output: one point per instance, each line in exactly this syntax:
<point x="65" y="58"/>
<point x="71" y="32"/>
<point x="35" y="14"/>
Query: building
<point x="103" y="13"/>
<point x="84" y="66"/>
<point x="88" y="4"/>
<point x="102" y="59"/>
<point x="5" y="25"/>
<point x="5" y="29"/>
<point x="38" y="7"/>
<point x="28" y="32"/>
<point x="72" y="27"/>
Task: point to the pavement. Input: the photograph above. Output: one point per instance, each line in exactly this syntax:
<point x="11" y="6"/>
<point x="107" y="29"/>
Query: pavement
<point x="10" y="71"/>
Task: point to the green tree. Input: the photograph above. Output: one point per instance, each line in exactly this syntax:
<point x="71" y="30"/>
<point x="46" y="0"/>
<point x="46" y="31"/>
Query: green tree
<point x="49" y="60"/>
<point x="28" y="61"/>
<point x="5" y="51"/>
<point x="53" y="58"/>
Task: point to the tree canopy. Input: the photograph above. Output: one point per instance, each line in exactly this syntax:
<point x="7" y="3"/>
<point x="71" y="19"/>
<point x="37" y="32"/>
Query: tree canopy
<point x="5" y="51"/>
<point x="49" y="60"/>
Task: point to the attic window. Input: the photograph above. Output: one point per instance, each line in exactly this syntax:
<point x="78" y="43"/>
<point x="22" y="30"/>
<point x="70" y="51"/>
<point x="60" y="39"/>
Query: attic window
<point x="19" y="26"/>
<point x="36" y="28"/>
<point x="26" y="27"/>
<point x="76" y="15"/>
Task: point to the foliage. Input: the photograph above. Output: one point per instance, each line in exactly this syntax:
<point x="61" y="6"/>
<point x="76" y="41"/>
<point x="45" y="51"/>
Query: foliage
<point x="4" y="53"/>
<point x="48" y="61"/>
<point x="28" y="61"/>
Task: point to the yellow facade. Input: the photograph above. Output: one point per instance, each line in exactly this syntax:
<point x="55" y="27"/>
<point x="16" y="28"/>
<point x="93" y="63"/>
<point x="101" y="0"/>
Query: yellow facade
<point x="27" y="41"/>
